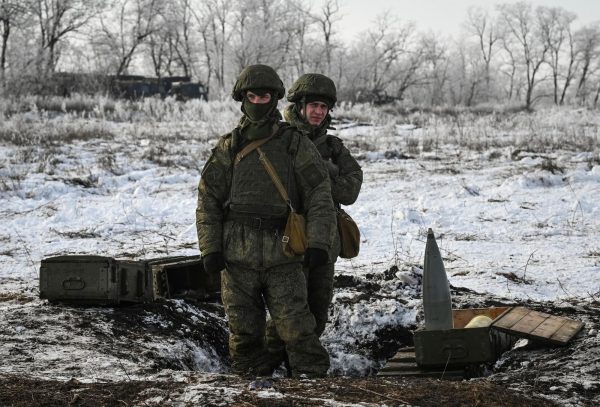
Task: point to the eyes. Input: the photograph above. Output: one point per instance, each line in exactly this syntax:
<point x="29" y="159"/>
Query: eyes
<point x="258" y="99"/>
<point x="317" y="106"/>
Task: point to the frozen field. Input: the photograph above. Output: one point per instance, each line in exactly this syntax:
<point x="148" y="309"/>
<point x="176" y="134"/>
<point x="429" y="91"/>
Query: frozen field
<point x="512" y="198"/>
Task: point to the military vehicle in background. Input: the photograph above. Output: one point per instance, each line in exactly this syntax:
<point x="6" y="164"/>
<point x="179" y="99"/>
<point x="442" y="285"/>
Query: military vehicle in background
<point x="130" y="87"/>
<point x="135" y="87"/>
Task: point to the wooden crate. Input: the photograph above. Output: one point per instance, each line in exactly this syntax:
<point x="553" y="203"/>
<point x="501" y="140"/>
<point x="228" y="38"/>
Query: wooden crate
<point x="538" y="326"/>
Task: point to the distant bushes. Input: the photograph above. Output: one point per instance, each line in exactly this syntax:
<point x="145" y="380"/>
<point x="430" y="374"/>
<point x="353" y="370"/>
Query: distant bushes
<point x="412" y="129"/>
<point x="49" y="133"/>
<point x="477" y="128"/>
<point x="118" y="110"/>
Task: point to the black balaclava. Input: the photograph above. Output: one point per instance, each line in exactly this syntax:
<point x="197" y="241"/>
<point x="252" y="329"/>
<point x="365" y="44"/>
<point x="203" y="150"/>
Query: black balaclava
<point x="258" y="118"/>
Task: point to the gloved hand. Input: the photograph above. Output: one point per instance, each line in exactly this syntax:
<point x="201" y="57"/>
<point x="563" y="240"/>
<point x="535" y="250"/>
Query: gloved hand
<point x="314" y="257"/>
<point x="213" y="262"/>
<point x="333" y="169"/>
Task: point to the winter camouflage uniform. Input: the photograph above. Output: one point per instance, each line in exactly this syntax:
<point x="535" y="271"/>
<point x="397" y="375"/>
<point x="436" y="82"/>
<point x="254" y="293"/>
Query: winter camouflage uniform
<point x="241" y="215"/>
<point x="346" y="179"/>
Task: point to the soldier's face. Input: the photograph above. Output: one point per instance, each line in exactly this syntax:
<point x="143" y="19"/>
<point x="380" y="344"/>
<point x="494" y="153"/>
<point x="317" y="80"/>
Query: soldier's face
<point x="258" y="99"/>
<point x="315" y="112"/>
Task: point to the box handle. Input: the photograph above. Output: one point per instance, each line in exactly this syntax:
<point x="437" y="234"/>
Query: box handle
<point x="455" y="351"/>
<point x="73" y="283"/>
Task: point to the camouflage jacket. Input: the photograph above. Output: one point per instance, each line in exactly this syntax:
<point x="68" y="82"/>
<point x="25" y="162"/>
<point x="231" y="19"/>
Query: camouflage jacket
<point x="346" y="179"/>
<point x="307" y="182"/>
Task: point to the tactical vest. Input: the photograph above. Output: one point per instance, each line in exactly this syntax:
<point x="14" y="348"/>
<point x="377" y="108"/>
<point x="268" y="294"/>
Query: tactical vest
<point x="252" y="190"/>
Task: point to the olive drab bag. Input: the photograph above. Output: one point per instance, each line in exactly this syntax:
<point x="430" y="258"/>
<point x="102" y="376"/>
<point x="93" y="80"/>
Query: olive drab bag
<point x="294" y="237"/>
<point x="349" y="235"/>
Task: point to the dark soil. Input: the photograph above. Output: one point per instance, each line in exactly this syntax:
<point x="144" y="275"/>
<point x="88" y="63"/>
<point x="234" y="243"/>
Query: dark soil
<point x="18" y="391"/>
<point x="532" y="374"/>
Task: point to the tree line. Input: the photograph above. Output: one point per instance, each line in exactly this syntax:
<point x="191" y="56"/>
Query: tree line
<point x="513" y="53"/>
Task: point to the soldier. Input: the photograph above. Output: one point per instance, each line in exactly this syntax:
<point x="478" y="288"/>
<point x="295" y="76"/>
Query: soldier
<point x="313" y="96"/>
<point x="240" y="218"/>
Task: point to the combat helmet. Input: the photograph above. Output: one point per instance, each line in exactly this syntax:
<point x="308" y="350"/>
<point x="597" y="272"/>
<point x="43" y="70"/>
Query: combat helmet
<point x="313" y="84"/>
<point x="257" y="77"/>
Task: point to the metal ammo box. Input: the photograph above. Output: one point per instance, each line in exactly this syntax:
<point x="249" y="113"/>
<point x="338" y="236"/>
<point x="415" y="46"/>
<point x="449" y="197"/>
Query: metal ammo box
<point x="460" y="346"/>
<point x="105" y="280"/>
<point x="185" y="278"/>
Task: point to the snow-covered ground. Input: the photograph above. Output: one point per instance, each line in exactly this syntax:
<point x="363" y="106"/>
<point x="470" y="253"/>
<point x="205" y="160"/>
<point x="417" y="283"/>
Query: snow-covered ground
<point x="512" y="198"/>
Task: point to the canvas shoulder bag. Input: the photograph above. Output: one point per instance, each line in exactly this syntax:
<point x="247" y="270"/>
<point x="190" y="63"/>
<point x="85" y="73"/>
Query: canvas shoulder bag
<point x="294" y="237"/>
<point x="349" y="235"/>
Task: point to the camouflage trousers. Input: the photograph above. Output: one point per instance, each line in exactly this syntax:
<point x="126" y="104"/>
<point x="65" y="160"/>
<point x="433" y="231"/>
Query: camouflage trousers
<point x="282" y="289"/>
<point x="320" y="294"/>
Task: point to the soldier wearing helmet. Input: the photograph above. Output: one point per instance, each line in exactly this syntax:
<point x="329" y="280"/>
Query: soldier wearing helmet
<point x="240" y="218"/>
<point x="313" y="96"/>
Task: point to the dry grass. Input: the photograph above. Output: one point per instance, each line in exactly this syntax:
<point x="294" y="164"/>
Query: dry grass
<point x="18" y="391"/>
<point x="17" y="297"/>
<point x="390" y="392"/>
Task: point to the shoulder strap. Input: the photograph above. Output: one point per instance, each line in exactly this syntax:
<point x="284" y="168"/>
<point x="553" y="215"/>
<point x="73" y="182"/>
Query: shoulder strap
<point x="253" y="146"/>
<point x="250" y="147"/>
<point x="264" y="160"/>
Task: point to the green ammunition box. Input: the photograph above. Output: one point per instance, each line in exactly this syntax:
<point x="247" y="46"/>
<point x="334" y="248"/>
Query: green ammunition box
<point x="459" y="352"/>
<point x="86" y="279"/>
<point x="459" y="347"/>
<point x="105" y="281"/>
<point x="135" y="281"/>
<point x="185" y="278"/>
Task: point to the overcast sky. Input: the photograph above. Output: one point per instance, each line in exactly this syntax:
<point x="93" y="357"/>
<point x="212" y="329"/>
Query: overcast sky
<point x="440" y="16"/>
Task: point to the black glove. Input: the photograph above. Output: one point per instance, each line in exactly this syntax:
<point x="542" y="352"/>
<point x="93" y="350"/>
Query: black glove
<point x="213" y="262"/>
<point x="314" y="257"/>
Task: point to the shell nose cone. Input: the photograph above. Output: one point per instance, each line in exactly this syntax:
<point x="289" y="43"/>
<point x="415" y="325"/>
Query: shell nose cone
<point x="432" y="251"/>
<point x="437" y="303"/>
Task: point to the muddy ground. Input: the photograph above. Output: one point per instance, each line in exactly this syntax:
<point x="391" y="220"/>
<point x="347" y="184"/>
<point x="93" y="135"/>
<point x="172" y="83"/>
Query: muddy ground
<point x="174" y="353"/>
<point x="18" y="391"/>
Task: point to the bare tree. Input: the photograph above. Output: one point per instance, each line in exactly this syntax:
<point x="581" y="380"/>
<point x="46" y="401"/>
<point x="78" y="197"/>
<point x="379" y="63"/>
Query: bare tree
<point x="481" y="25"/>
<point x="437" y="62"/>
<point x="11" y="12"/>
<point x="468" y="73"/>
<point x="202" y="16"/>
<point x="385" y="61"/>
<point x="161" y="45"/>
<point x="264" y="34"/>
<point x="555" y="28"/>
<point x="520" y="24"/>
<point x="508" y="66"/>
<point x="588" y="46"/>
<point x="130" y="25"/>
<point x="300" y="25"/>
<point x="409" y="68"/>
<point x="56" y="19"/>
<point x="220" y="11"/>
<point x="326" y="20"/>
<point x="170" y="44"/>
<point x="183" y="46"/>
